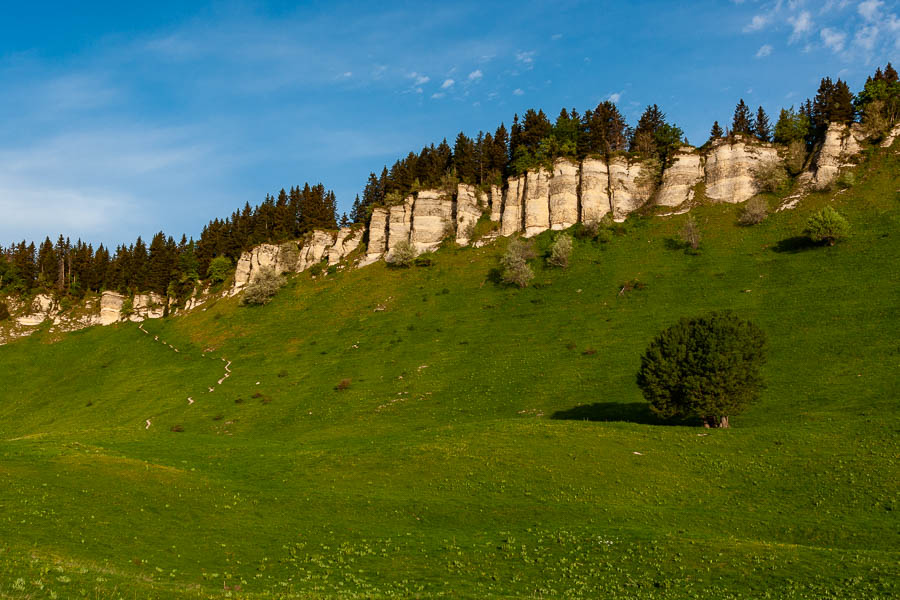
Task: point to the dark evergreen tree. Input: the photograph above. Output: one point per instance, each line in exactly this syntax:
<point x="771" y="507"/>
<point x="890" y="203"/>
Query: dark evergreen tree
<point x="761" y="127"/>
<point x="716" y="132"/>
<point x="742" y="122"/>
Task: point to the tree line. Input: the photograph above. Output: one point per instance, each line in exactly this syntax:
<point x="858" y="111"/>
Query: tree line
<point x="170" y="267"/>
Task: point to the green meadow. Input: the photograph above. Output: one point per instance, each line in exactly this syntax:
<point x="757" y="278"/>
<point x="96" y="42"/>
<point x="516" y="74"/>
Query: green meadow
<point x="486" y="442"/>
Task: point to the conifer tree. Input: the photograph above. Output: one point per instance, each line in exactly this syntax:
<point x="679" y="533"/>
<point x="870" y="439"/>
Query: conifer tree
<point x="762" y="128"/>
<point x="742" y="122"/>
<point x="716" y="132"/>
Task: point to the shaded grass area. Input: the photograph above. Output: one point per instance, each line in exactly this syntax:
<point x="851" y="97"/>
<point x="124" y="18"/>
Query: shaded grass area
<point x="472" y="440"/>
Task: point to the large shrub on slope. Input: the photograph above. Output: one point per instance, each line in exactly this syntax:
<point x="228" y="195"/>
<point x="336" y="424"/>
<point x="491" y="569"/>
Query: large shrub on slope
<point x="708" y="367"/>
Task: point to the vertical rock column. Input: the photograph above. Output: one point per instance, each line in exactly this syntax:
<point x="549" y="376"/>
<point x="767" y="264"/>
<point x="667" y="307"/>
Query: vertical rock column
<point x="595" y="202"/>
<point x="537" y="202"/>
<point x="511" y="220"/>
<point x="399" y="223"/>
<point x="432" y="220"/>
<point x="467" y="212"/>
<point x="730" y="166"/>
<point x="680" y="178"/>
<point x="496" y="203"/>
<point x="629" y="192"/>
<point x="377" y="246"/>
<point x="563" y="194"/>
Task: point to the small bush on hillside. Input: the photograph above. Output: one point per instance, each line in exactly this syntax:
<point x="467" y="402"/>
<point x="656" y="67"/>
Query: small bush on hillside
<point x="219" y="269"/>
<point x="402" y="255"/>
<point x="317" y="269"/>
<point x="514" y="261"/>
<point x="127" y="307"/>
<point x="708" y="367"/>
<point x="796" y="157"/>
<point x="560" y="251"/>
<point x="754" y="211"/>
<point x="289" y="254"/>
<point x="425" y="260"/>
<point x="690" y="233"/>
<point x="587" y="231"/>
<point x="177" y="428"/>
<point x="770" y="177"/>
<point x="342" y="385"/>
<point x="263" y="287"/>
<point x="4" y="311"/>
<point x="827" y="227"/>
<point x="846" y="180"/>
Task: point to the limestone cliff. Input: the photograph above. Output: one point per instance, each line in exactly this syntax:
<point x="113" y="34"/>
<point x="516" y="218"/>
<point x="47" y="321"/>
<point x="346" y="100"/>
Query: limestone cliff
<point x="432" y="219"/>
<point x="730" y="166"/>
<point x="468" y="211"/>
<point x="564" y="194"/>
<point x="679" y="179"/>
<point x="833" y="154"/>
<point x="595" y="203"/>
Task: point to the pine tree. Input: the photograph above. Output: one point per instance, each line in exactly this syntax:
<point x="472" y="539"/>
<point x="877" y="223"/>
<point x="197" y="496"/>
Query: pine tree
<point x="742" y="122"/>
<point x="464" y="158"/>
<point x="716" y="132"/>
<point x="762" y="128"/>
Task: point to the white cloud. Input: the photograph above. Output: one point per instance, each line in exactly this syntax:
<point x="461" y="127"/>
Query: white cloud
<point x="556" y="36"/>
<point x="348" y="74"/>
<point x="615" y="96"/>
<point x="764" y="50"/>
<point x="866" y="36"/>
<point x="518" y="92"/>
<point x="419" y="78"/>
<point x="476" y="74"/>
<point x="526" y="58"/>
<point x="869" y="9"/>
<point x="448" y="83"/>
<point x="833" y="39"/>
<point x="756" y="23"/>
<point x="802" y="25"/>
<point x="437" y="95"/>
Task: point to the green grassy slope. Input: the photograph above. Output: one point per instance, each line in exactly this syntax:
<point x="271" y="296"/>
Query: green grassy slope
<point x="492" y="441"/>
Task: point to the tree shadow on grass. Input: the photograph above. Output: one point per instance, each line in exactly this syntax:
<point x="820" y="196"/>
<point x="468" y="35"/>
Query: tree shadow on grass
<point x="628" y="412"/>
<point x="793" y="245"/>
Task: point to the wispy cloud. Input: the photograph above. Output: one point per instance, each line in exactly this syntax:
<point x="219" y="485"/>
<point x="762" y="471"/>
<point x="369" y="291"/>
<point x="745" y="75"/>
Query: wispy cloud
<point x="756" y="23"/>
<point x="525" y="58"/>
<point x="869" y="10"/>
<point x="764" y="50"/>
<point x="833" y="39"/>
<point x="518" y="92"/>
<point x="448" y="83"/>
<point x="802" y="24"/>
<point x="475" y="75"/>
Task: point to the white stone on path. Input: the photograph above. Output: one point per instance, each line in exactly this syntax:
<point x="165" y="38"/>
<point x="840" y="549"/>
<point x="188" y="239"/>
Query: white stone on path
<point x="148" y="424"/>
<point x="190" y="400"/>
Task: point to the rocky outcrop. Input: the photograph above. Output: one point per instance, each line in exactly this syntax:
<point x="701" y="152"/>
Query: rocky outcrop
<point x="42" y="307"/>
<point x="147" y="306"/>
<point x="564" y="194"/>
<point x="730" y="167"/>
<point x="841" y="142"/>
<point x="432" y="220"/>
<point x="496" y="203"/>
<point x="629" y="191"/>
<point x="468" y="211"/>
<point x="111" y="307"/>
<point x="377" y="246"/>
<point x="347" y="240"/>
<point x="313" y="248"/>
<point x="511" y="219"/>
<point x="679" y="179"/>
<point x="595" y="202"/>
<point x="399" y="223"/>
<point x="892" y="135"/>
<point x="537" y="202"/>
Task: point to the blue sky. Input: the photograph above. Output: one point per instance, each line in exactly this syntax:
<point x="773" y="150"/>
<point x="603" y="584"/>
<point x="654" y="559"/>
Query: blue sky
<point x="125" y="120"/>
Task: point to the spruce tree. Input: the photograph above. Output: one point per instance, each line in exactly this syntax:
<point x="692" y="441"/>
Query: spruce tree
<point x="716" y="132"/>
<point x="743" y="122"/>
<point x="762" y="128"/>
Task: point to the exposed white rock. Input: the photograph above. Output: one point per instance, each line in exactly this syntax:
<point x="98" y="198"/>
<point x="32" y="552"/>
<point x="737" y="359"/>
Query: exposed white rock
<point x="537" y="202"/>
<point x="730" y="167"/>
<point x="888" y="141"/>
<point x="680" y="177"/>
<point x="348" y="239"/>
<point x="841" y="142"/>
<point x="42" y="307"/>
<point x="250" y="262"/>
<point x="496" y="203"/>
<point x="511" y="220"/>
<point x="594" y="190"/>
<point x="629" y="191"/>
<point x="110" y="307"/>
<point x="314" y="246"/>
<point x="147" y="306"/>
<point x="399" y="223"/>
<point x="468" y="211"/>
<point x="377" y="246"/>
<point x="432" y="220"/>
<point x="563" y="194"/>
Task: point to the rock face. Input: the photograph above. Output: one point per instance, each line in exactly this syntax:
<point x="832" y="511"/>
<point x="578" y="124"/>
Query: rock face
<point x="111" y="307"/>
<point x="594" y="190"/>
<point x="147" y="306"/>
<point x="496" y="203"/>
<point x="348" y="239"/>
<point x="468" y="211"/>
<point x="42" y="307"/>
<point x="377" y="246"/>
<point x="399" y="223"/>
<point x="312" y="250"/>
<point x="537" y="202"/>
<point x="891" y="136"/>
<point x="832" y="155"/>
<point x="432" y="219"/>
<point x="629" y="192"/>
<point x="564" y="194"/>
<point x="511" y="220"/>
<point x="680" y="178"/>
<point x="730" y="166"/>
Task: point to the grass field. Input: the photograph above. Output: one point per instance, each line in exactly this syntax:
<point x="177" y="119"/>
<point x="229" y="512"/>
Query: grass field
<point x="492" y="442"/>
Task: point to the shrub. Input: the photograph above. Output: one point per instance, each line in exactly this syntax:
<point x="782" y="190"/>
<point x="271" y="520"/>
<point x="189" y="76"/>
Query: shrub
<point x="177" y="428"/>
<point x="219" y="269"/>
<point x="289" y="254"/>
<point x="690" y="233"/>
<point x="754" y="211"/>
<point x="127" y="307"/>
<point x="707" y="367"/>
<point x="425" y="260"/>
<point x="846" y="180"/>
<point x="4" y="311"/>
<point x="342" y="385"/>
<point x="587" y="230"/>
<point x="796" y="157"/>
<point x="402" y="255"/>
<point x="827" y="227"/>
<point x="770" y="177"/>
<point x="263" y="287"/>
<point x="560" y="251"/>
<point x="317" y="269"/>
<point x="516" y="270"/>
